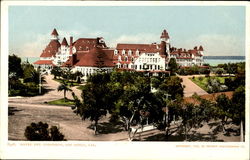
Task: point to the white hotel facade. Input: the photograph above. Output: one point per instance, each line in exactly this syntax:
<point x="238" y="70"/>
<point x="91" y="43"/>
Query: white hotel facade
<point x="87" y="55"/>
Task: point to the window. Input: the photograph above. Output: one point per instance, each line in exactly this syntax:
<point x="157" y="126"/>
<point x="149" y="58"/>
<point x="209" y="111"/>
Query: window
<point x="123" y="52"/>
<point x="132" y="59"/>
<point x="137" y="52"/>
<point x="129" y="53"/>
<point x="119" y="58"/>
<point x="115" y="52"/>
<point x="126" y="59"/>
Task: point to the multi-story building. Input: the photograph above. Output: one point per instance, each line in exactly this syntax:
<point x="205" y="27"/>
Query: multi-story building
<point x="88" y="55"/>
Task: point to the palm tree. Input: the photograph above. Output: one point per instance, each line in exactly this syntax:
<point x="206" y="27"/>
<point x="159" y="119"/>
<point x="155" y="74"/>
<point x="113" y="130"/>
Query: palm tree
<point x="64" y="87"/>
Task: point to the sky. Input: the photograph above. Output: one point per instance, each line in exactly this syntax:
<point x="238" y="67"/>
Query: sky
<point x="219" y="29"/>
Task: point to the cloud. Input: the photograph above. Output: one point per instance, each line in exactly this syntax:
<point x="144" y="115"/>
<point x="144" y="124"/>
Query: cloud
<point x="213" y="44"/>
<point x="138" y="38"/>
<point x="38" y="42"/>
<point x="216" y="44"/>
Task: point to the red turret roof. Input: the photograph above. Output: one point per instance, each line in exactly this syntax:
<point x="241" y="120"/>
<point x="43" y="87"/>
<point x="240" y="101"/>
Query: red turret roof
<point x="200" y="48"/>
<point x="64" y="42"/>
<point x="54" y="32"/>
<point x="51" y="49"/>
<point x="164" y="34"/>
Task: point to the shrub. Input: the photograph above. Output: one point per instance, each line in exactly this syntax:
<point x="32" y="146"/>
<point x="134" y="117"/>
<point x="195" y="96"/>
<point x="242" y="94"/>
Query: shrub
<point x="40" y="132"/>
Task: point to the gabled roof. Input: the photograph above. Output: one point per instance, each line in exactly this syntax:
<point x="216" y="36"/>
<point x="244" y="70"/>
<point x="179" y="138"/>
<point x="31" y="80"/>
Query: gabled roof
<point x="85" y="44"/>
<point x="54" y="32"/>
<point x="64" y="42"/>
<point x="51" y="49"/>
<point x="95" y="58"/>
<point x="141" y="47"/>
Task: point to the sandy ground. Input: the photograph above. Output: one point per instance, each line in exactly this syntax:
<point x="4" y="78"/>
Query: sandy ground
<point x="24" y="110"/>
<point x="190" y="87"/>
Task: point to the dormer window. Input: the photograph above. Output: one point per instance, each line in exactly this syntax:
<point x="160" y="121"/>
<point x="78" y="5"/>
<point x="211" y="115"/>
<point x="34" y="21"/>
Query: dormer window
<point x="137" y="52"/>
<point x="123" y="52"/>
<point x="132" y="59"/>
<point x="119" y="58"/>
<point x="115" y="52"/>
<point x="129" y="53"/>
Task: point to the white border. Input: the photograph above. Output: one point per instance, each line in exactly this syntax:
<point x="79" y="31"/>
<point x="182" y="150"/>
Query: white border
<point x="115" y="150"/>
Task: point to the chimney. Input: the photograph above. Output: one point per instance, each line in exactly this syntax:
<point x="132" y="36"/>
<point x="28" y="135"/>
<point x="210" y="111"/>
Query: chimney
<point x="73" y="59"/>
<point x="71" y="45"/>
<point x="71" y="41"/>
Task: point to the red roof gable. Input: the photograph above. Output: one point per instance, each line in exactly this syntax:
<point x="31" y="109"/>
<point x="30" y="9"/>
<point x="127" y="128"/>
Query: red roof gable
<point x="85" y="44"/>
<point x="51" y="49"/>
<point x="64" y="42"/>
<point x="54" y="32"/>
<point x="95" y="57"/>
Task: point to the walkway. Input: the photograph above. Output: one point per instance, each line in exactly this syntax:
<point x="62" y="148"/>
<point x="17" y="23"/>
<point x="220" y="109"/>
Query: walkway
<point x="53" y="94"/>
<point x="190" y="87"/>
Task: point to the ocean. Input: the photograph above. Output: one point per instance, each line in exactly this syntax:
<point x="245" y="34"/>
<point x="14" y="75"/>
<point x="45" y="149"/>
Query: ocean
<point x="215" y="60"/>
<point x="212" y="60"/>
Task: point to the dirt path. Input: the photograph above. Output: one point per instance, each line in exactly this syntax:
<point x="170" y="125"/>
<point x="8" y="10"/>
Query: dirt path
<point x="53" y="94"/>
<point x="190" y="87"/>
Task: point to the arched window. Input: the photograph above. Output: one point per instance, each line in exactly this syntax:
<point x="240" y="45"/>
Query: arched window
<point x="123" y="52"/>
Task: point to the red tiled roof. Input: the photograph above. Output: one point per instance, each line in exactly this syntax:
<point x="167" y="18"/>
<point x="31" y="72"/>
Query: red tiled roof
<point x="200" y="48"/>
<point x="95" y="56"/>
<point x="85" y="44"/>
<point x="54" y="32"/>
<point x="141" y="47"/>
<point x="51" y="49"/>
<point x="45" y="62"/>
<point x="64" y="42"/>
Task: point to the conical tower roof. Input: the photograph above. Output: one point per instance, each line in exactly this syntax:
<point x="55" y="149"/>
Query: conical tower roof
<point x="164" y="34"/>
<point x="201" y="48"/>
<point x="64" y="42"/>
<point x="54" y="32"/>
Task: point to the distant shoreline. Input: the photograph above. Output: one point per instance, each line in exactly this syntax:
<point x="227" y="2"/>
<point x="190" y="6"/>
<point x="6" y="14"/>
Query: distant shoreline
<point x="226" y="57"/>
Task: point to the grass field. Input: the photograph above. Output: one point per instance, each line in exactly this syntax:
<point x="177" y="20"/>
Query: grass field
<point x="203" y="81"/>
<point x="65" y="102"/>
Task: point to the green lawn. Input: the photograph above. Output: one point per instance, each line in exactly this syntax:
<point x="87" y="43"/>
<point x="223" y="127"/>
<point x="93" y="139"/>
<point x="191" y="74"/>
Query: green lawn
<point x="202" y="81"/>
<point x="66" y="102"/>
<point x="68" y="82"/>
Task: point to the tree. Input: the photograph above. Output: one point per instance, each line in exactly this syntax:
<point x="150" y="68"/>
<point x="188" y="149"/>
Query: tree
<point x="41" y="132"/>
<point x="238" y="108"/>
<point x="63" y="87"/>
<point x="172" y="86"/>
<point x="173" y="66"/>
<point x="133" y="100"/>
<point x="96" y="99"/>
<point x="15" y="66"/>
<point x="57" y="72"/>
<point x="223" y="106"/>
